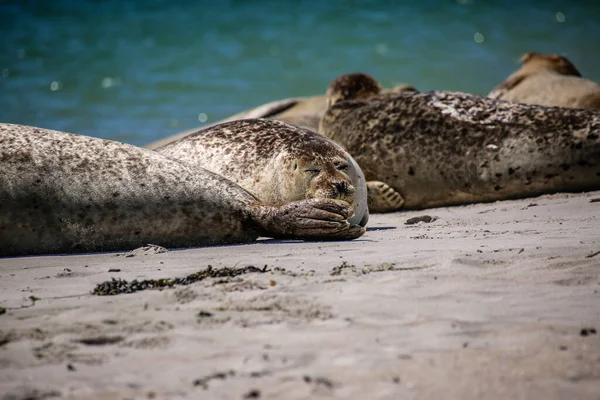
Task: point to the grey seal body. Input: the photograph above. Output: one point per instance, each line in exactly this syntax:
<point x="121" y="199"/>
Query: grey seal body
<point x="63" y="193"/>
<point x="277" y="162"/>
<point x="441" y="148"/>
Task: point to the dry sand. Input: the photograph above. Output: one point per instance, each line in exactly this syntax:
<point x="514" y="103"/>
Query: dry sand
<point x="489" y="301"/>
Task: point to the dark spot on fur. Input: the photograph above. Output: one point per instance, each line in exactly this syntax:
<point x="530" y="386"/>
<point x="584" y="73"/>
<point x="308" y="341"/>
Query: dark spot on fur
<point x="116" y="194"/>
<point x="100" y="340"/>
<point x="136" y="233"/>
<point x="550" y="176"/>
<point x="411" y="171"/>
<point x="565" y="167"/>
<point x="498" y="175"/>
<point x="497" y="188"/>
<point x="513" y="170"/>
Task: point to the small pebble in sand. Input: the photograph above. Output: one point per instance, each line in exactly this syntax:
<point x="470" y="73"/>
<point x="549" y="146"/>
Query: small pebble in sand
<point x="252" y="394"/>
<point x="587" y="331"/>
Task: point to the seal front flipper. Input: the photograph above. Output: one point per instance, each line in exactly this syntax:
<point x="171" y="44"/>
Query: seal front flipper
<point x="383" y="198"/>
<point x="312" y="219"/>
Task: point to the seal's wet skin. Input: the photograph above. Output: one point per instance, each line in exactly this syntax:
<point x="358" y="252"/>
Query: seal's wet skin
<point x="442" y="148"/>
<point x="277" y="162"/>
<point x="62" y="193"/>
<point x="548" y="80"/>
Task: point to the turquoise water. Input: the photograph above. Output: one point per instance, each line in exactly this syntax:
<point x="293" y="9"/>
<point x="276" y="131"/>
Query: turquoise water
<point x="137" y="71"/>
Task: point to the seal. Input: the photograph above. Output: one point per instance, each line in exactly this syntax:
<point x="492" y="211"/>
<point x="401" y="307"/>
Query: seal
<point x="276" y="162"/>
<point x="548" y="80"/>
<point x="305" y="112"/>
<point x="64" y="193"/>
<point x="446" y="148"/>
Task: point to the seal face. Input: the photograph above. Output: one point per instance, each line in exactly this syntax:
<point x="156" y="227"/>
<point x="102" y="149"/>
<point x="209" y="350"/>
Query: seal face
<point x="444" y="148"/>
<point x="548" y="80"/>
<point x="62" y="193"/>
<point x="277" y="162"/>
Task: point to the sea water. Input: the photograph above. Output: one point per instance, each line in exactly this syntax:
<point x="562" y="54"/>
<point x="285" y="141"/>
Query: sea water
<point x="139" y="70"/>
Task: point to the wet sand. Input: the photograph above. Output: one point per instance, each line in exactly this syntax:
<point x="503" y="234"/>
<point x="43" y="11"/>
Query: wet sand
<point x="494" y="301"/>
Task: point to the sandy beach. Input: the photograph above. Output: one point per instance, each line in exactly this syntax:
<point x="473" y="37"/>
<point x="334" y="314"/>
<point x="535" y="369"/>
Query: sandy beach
<point x="494" y="301"/>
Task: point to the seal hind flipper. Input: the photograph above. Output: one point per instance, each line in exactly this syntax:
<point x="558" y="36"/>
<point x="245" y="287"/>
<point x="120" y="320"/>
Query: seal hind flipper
<point x="383" y="198"/>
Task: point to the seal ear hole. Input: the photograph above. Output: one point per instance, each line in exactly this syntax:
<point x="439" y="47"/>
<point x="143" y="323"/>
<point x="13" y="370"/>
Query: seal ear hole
<point x="295" y="167"/>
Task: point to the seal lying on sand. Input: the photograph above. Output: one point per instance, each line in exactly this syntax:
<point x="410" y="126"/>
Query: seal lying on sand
<point x="441" y="148"/>
<point x="62" y="193"/>
<point x="548" y="80"/>
<point x="277" y="162"/>
<point x="305" y="112"/>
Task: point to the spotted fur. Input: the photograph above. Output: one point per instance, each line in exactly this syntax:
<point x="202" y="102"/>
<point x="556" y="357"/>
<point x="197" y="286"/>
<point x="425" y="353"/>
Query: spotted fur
<point x="446" y="148"/>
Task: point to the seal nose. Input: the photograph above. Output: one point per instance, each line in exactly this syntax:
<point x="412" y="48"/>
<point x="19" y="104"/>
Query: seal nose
<point x="343" y="188"/>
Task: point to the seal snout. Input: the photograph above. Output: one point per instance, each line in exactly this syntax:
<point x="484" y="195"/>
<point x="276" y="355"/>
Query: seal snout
<point x="342" y="190"/>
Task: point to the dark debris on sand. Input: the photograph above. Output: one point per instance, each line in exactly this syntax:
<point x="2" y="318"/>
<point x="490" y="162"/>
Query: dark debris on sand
<point x="120" y="286"/>
<point x="422" y="218"/>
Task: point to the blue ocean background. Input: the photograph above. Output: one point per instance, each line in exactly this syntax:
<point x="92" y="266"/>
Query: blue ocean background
<point x="137" y="71"/>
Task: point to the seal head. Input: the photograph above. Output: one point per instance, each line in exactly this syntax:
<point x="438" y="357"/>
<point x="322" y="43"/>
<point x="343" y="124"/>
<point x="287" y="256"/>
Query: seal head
<point x="277" y="162"/>
<point x="355" y="86"/>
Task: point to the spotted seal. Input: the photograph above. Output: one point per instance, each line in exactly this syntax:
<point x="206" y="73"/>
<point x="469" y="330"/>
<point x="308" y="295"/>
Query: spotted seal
<point x="548" y="80"/>
<point x="305" y="112"/>
<point x="445" y="148"/>
<point x="277" y="162"/>
<point x="63" y="193"/>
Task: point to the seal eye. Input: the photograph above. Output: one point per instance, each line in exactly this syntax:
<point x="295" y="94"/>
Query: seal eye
<point x="313" y="171"/>
<point x="342" y="167"/>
